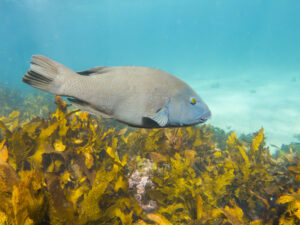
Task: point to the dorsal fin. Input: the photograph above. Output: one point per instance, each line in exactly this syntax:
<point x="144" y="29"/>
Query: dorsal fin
<point x="94" y="71"/>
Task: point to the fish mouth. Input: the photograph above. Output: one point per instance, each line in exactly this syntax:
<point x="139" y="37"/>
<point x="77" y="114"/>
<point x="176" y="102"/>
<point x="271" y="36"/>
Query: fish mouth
<point x="204" y="117"/>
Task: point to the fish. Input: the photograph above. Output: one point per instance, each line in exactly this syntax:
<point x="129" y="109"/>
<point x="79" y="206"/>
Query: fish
<point x="141" y="97"/>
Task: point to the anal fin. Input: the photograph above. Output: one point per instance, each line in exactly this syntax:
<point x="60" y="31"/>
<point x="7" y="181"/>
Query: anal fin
<point x="87" y="107"/>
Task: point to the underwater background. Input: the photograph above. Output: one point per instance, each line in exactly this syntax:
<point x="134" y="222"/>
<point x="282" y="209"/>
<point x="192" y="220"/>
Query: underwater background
<point x="62" y="166"/>
<point x="242" y="57"/>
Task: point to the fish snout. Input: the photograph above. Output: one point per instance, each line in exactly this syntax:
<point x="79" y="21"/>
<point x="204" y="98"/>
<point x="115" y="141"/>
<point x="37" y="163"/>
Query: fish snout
<point x="205" y="116"/>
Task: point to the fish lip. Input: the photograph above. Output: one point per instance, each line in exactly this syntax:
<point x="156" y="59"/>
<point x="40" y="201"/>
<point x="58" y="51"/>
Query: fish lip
<point x="201" y="119"/>
<point x="207" y="115"/>
<point x="204" y="117"/>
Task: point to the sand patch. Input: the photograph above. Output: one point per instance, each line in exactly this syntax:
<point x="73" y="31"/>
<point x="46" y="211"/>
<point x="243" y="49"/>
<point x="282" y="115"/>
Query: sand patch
<point x="247" y="103"/>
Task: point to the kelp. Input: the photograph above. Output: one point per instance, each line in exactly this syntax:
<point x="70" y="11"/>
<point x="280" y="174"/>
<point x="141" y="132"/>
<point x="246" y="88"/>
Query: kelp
<point x="73" y="168"/>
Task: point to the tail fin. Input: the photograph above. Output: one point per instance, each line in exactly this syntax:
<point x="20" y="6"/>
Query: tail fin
<point x="44" y="74"/>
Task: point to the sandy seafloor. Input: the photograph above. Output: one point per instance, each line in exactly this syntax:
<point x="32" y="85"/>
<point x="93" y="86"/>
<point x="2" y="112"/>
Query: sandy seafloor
<point x="247" y="101"/>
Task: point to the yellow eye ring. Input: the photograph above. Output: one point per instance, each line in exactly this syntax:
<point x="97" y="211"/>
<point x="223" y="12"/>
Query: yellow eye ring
<point x="193" y="100"/>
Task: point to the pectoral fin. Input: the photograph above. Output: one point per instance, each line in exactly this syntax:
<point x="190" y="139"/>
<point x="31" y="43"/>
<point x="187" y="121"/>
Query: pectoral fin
<point x="160" y="117"/>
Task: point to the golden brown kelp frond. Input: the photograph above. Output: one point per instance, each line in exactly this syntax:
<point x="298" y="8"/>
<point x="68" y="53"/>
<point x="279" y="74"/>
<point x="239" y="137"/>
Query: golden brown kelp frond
<point x="25" y="201"/>
<point x="253" y="175"/>
<point x="28" y="143"/>
<point x="8" y="179"/>
<point x="155" y="142"/>
<point x="294" y="170"/>
<point x="12" y="121"/>
<point x="176" y="189"/>
<point x="108" y="202"/>
<point x="232" y="215"/>
<point x="73" y="169"/>
<point x="81" y="166"/>
<point x="234" y="178"/>
<point x="20" y="143"/>
<point x="181" y="190"/>
<point x="29" y="198"/>
<point x="291" y="201"/>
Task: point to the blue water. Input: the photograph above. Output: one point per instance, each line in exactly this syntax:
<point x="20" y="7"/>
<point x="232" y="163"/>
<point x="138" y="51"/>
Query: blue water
<point x="235" y="53"/>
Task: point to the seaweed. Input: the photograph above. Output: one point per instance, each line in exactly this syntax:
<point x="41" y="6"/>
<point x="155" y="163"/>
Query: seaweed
<point x="73" y="168"/>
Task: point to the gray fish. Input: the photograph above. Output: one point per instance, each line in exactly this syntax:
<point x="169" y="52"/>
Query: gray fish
<point x="137" y="96"/>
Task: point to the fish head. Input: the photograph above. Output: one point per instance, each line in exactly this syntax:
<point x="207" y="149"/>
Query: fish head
<point x="186" y="108"/>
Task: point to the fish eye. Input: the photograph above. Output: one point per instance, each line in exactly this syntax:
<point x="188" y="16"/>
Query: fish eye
<point x="193" y="100"/>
